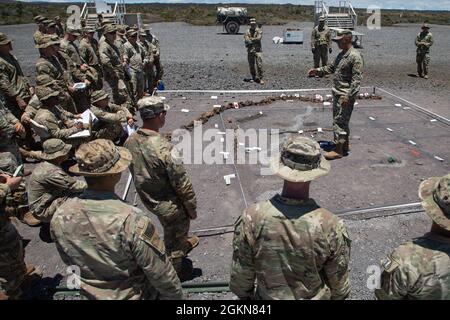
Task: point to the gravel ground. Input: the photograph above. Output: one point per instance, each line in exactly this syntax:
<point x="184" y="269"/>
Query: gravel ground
<point x="205" y="58"/>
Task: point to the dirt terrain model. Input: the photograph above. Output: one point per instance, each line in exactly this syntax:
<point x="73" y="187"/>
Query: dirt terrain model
<point x="231" y="18"/>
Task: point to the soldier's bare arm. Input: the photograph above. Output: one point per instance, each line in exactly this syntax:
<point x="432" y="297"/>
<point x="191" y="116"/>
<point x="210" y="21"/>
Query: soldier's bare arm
<point x="149" y="252"/>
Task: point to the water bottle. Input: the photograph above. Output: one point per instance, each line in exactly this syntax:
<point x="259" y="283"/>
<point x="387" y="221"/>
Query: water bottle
<point x="160" y="85"/>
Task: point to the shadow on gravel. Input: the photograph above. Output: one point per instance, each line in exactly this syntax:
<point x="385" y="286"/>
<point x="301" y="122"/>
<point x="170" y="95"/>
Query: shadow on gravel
<point x="228" y="34"/>
<point x="412" y="75"/>
<point x="44" y="289"/>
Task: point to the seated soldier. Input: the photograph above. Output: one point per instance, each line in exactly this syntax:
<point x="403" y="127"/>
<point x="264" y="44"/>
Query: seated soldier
<point x="50" y="186"/>
<point x="110" y="117"/>
<point x="49" y="117"/>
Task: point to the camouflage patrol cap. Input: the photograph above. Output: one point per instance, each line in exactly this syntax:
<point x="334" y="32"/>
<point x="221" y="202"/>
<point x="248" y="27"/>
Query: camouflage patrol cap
<point x="426" y="26"/>
<point x="74" y="31"/>
<point x="252" y="21"/>
<point x="4" y="39"/>
<point x="147" y="28"/>
<point x="341" y="34"/>
<point x="109" y="28"/>
<point x="142" y="33"/>
<point x="87" y="30"/>
<point x="47" y="22"/>
<point x="38" y="18"/>
<point x="435" y="195"/>
<point x="150" y="107"/>
<point x="299" y="160"/>
<point x="54" y="148"/>
<point x="100" y="158"/>
<point x="44" y="93"/>
<point x="131" y="33"/>
<point x="51" y="24"/>
<point x="46" y="41"/>
<point x="57" y="18"/>
<point x="321" y="19"/>
<point x="121" y="29"/>
<point x="98" y="95"/>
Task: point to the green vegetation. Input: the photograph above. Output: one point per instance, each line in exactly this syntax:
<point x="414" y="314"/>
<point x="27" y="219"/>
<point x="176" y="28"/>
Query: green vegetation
<point x="205" y="14"/>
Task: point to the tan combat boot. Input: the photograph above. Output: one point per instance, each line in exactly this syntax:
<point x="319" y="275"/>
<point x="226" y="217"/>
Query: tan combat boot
<point x="30" y="220"/>
<point x="191" y="243"/>
<point x="338" y="153"/>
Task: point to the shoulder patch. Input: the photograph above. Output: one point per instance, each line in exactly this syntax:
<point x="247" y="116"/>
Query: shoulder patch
<point x="151" y="237"/>
<point x="389" y="264"/>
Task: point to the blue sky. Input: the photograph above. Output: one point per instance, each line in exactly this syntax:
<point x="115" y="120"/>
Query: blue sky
<point x="386" y="4"/>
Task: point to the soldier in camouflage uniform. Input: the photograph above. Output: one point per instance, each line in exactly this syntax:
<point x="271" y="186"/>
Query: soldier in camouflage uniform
<point x="162" y="182"/>
<point x="113" y="67"/>
<point x="60" y="29"/>
<point x="348" y="69"/>
<point x="424" y="41"/>
<point x="111" y="117"/>
<point x="90" y="55"/>
<point x="149" y="61"/>
<point x="321" y="43"/>
<point x="289" y="247"/>
<point x="252" y="39"/>
<point x="115" y="245"/>
<point x="10" y="159"/>
<point x="14" y="87"/>
<point x="121" y="38"/>
<point x="155" y="60"/>
<point x="134" y="56"/>
<point x="40" y="32"/>
<point x="13" y="270"/>
<point x="49" y="65"/>
<point x="50" y="186"/>
<point x="48" y="116"/>
<point x="420" y="269"/>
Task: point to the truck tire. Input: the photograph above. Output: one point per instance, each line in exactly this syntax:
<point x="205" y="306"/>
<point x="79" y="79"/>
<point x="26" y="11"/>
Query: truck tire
<point x="232" y="27"/>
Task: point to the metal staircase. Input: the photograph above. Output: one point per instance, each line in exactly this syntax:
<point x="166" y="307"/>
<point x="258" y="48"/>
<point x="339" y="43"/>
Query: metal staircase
<point x="92" y="8"/>
<point x="345" y="18"/>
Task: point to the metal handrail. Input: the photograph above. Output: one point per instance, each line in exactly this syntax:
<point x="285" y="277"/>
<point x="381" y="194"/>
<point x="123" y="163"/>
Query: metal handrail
<point x="84" y="11"/>
<point x="115" y="8"/>
<point x="324" y="10"/>
<point x="352" y="13"/>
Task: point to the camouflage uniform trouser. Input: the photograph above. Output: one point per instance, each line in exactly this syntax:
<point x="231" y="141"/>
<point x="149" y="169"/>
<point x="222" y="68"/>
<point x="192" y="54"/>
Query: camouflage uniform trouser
<point x="137" y="82"/>
<point x="176" y="227"/>
<point x="423" y="61"/>
<point x="321" y="53"/>
<point x="341" y="119"/>
<point x="17" y="200"/>
<point x="149" y="77"/>
<point x="255" y="58"/>
<point x="12" y="265"/>
<point x="27" y="140"/>
<point x="159" y="71"/>
<point x="120" y="91"/>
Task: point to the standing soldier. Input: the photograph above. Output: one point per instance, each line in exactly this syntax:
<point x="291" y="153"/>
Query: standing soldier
<point x="89" y="54"/>
<point x="321" y="43"/>
<point x="99" y="26"/>
<point x="134" y="56"/>
<point x="121" y="38"/>
<point x="348" y="69"/>
<point x="113" y="67"/>
<point x="13" y="270"/>
<point x="289" y="247"/>
<point x="420" y="269"/>
<point x="252" y="40"/>
<point x="40" y="32"/>
<point x="14" y="86"/>
<point x="50" y="185"/>
<point x="162" y="183"/>
<point x="51" y="28"/>
<point x="149" y="62"/>
<point x="424" y="41"/>
<point x="156" y="58"/>
<point x="115" y="245"/>
<point x="60" y="30"/>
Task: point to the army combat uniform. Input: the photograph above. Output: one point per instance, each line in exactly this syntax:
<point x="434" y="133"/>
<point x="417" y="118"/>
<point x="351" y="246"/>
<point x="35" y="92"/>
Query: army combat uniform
<point x="424" y="41"/>
<point x="110" y="119"/>
<point x="49" y="184"/>
<point x="321" y="43"/>
<point x="114" y="244"/>
<point x="347" y="69"/>
<point x="287" y="248"/>
<point x="420" y="269"/>
<point x="163" y="186"/>
<point x="110" y="58"/>
<point x="12" y="265"/>
<point x="135" y="55"/>
<point x="89" y="54"/>
<point x="252" y="40"/>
